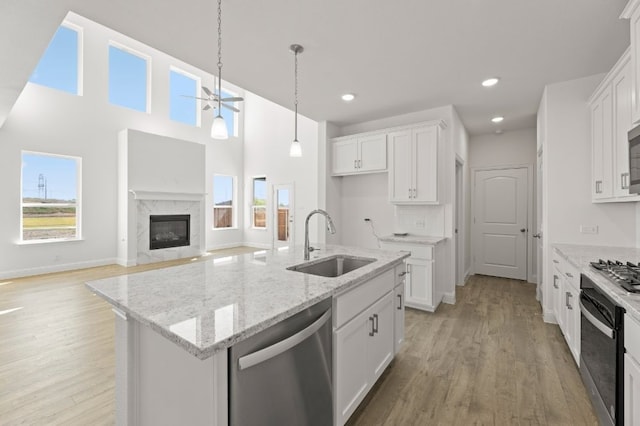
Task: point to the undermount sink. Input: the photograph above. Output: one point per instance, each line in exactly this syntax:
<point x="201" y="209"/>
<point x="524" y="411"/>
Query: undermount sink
<point x="333" y="266"/>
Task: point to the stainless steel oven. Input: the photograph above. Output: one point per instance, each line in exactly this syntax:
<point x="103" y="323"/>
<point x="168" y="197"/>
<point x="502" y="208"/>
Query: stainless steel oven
<point x="602" y="352"/>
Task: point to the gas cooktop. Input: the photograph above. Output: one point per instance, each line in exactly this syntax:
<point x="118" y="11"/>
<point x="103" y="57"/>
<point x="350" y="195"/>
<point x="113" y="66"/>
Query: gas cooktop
<point x="626" y="275"/>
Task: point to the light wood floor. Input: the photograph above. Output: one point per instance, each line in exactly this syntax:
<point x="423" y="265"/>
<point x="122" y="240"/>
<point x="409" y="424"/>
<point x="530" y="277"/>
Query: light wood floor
<point x="489" y="359"/>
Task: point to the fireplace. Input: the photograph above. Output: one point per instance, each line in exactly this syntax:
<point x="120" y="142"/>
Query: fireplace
<point x="169" y="231"/>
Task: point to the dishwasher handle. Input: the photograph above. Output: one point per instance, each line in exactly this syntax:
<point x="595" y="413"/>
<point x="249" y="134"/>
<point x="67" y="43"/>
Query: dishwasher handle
<point x="604" y="329"/>
<point x="284" y="345"/>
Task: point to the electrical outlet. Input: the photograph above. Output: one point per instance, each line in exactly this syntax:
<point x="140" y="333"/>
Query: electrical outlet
<point x="419" y="223"/>
<point x="584" y="229"/>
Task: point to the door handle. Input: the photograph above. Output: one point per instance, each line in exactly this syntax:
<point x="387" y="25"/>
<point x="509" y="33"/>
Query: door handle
<point x="537" y="235"/>
<point x="522" y="230"/>
<point x="568" y="301"/>
<point x="373" y="330"/>
<point x="569" y="274"/>
<point x="402" y="274"/>
<point x="400" y="299"/>
<point x="624" y="178"/>
<point x="283" y="345"/>
<point x="555" y="281"/>
<point x="410" y="193"/>
<point x="375" y="319"/>
<point x="355" y="164"/>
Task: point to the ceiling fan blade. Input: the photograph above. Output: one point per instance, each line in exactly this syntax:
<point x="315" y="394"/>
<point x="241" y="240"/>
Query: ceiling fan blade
<point x="206" y="107"/>
<point x="196" y="97"/>
<point x="207" y="91"/>
<point x="232" y="108"/>
<point x="233" y="99"/>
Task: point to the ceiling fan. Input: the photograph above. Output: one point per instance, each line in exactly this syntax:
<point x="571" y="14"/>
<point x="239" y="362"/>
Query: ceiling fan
<point x="212" y="99"/>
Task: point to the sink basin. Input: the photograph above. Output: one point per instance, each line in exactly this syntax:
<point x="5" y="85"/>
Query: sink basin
<point x="333" y="266"/>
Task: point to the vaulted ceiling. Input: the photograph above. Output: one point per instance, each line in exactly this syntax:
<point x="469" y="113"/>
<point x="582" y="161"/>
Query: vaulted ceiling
<point x="396" y="56"/>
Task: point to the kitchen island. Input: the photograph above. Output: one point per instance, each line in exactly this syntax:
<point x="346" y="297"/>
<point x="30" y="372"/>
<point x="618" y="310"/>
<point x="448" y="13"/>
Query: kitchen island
<point x="175" y="325"/>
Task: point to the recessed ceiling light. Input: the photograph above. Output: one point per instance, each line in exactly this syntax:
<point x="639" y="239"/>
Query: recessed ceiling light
<point x="497" y="119"/>
<point x="348" y="97"/>
<point x="490" y="82"/>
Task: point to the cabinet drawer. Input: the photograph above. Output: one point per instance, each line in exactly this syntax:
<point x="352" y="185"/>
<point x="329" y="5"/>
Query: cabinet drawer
<point x="565" y="269"/>
<point x="348" y="305"/>
<point x="418" y="251"/>
<point x="631" y="333"/>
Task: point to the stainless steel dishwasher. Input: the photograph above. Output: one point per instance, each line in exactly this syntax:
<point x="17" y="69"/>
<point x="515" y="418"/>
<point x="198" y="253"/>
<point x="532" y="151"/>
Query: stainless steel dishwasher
<point x="282" y="375"/>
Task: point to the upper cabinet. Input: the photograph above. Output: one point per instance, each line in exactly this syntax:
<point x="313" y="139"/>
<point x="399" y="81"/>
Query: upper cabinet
<point x="413" y="158"/>
<point x="632" y="13"/>
<point x="359" y="154"/>
<point x="611" y="109"/>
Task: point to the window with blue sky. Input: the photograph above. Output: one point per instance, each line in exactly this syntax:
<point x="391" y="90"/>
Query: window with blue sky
<point x="182" y="90"/>
<point x="50" y="196"/>
<point x="127" y="79"/>
<point x="223" y="201"/>
<point x="59" y="65"/>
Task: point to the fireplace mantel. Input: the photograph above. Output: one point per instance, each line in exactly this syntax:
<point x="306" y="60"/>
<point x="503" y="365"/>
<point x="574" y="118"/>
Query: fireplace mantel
<point x="166" y="196"/>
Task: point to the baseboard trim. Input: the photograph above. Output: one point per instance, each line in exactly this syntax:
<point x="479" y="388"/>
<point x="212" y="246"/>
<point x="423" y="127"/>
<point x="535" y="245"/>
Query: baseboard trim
<point x="224" y="246"/>
<point x="264" y="246"/>
<point x="449" y="298"/>
<point x="28" y="272"/>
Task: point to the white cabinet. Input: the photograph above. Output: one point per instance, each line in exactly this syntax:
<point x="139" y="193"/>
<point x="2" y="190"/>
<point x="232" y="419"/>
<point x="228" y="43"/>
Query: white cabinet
<point x="359" y="154"/>
<point x="611" y="110"/>
<point x="566" y="293"/>
<point x="631" y="371"/>
<point x="398" y="292"/>
<point x="423" y="287"/>
<point x="632" y="12"/>
<point x="363" y="341"/>
<point x="413" y="158"/>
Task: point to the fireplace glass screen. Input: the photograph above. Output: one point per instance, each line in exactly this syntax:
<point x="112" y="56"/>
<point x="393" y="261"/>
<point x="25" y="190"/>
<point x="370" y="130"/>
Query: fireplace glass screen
<point x="168" y="231"/>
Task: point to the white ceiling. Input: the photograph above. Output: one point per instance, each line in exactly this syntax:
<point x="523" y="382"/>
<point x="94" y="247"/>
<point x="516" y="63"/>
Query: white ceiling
<point x="396" y="56"/>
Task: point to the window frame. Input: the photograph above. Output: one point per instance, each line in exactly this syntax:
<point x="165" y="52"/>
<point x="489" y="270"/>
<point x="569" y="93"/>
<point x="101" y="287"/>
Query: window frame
<point x="79" y="56"/>
<point x="198" y="80"/>
<point x="234" y="203"/>
<point x="141" y="55"/>
<point x="255" y="206"/>
<point x="77" y="205"/>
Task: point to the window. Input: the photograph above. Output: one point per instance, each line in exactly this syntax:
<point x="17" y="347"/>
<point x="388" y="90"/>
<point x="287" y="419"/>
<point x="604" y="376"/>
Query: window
<point x="223" y="201"/>
<point x="59" y="65"/>
<point x="50" y="202"/>
<point x="259" y="207"/>
<point x="183" y="108"/>
<point x="127" y="79"/>
<point x="229" y="115"/>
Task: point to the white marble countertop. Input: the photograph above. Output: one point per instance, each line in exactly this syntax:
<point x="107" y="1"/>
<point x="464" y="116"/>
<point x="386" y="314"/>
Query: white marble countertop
<point x="205" y="307"/>
<point x="580" y="256"/>
<point x="413" y="239"/>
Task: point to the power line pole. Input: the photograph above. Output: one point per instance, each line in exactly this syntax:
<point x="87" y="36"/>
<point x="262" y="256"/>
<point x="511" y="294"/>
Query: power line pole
<point x="42" y="186"/>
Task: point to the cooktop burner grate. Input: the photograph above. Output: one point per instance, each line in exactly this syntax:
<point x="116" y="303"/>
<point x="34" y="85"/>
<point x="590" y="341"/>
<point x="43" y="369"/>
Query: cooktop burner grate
<point x="626" y="275"/>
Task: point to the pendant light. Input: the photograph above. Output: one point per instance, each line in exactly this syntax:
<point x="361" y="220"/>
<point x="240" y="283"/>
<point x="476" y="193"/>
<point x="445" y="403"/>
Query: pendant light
<point x="296" y="149"/>
<point x="219" y="127"/>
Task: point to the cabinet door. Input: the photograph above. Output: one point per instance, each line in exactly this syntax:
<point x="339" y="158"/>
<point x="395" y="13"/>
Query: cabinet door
<point x="568" y="317"/>
<point x="557" y="293"/>
<point x="622" y="113"/>
<point x="352" y="375"/>
<point x="596" y="149"/>
<point x="631" y="391"/>
<point x="400" y="177"/>
<point x="345" y="156"/>
<point x="425" y="164"/>
<point x="573" y="311"/>
<point x="398" y="337"/>
<point x="635" y="55"/>
<point x="372" y="153"/>
<point x="419" y="284"/>
<point x="380" y="345"/>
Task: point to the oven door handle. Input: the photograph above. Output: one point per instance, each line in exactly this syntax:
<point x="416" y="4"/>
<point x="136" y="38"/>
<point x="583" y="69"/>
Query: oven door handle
<point x="606" y="330"/>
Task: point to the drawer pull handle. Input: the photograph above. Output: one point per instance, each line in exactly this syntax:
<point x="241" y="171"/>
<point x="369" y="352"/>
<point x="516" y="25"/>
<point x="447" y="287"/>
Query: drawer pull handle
<point x="375" y="327"/>
<point x="400" y="305"/>
<point x="373" y="330"/>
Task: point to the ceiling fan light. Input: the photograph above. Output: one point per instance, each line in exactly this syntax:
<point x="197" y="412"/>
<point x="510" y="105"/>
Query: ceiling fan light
<point x="219" y="128"/>
<point x="295" y="150"/>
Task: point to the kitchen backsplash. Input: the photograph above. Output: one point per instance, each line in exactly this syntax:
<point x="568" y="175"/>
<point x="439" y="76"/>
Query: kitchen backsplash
<point x="420" y="220"/>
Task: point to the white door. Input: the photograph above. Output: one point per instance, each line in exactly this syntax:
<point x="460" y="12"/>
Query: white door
<point x="283" y="215"/>
<point x="457" y="232"/>
<point x="539" y="226"/>
<point x="500" y="223"/>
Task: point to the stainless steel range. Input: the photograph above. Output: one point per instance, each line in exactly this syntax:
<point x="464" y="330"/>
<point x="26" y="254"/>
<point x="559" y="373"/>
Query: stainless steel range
<point x="602" y="339"/>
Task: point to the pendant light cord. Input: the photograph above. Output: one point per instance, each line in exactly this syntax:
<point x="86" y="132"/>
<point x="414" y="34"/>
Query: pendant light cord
<point x="219" y="57"/>
<point x="296" y="96"/>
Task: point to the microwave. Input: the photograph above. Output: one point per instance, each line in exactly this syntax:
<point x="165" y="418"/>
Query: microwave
<point x="634" y="161"/>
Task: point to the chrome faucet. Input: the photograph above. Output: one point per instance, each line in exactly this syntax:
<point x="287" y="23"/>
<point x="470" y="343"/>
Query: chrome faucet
<point x="330" y="228"/>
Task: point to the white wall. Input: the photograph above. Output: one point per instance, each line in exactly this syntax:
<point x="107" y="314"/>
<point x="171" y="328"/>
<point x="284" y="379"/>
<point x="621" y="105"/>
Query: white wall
<point x="330" y="187"/>
<point x="267" y="140"/>
<point x="49" y="121"/>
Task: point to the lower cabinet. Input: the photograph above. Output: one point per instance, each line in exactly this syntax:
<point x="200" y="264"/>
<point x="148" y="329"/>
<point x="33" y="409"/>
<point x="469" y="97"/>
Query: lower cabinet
<point x="566" y="293"/>
<point x="631" y="391"/>
<point x="398" y="291"/>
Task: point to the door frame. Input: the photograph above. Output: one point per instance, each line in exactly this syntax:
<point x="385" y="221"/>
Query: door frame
<point x="274" y="213"/>
<point x="530" y="213"/>
<point x="459" y="222"/>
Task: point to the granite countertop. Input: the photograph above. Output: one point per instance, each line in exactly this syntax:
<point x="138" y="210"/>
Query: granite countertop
<point x="206" y="307"/>
<point x="413" y="239"/>
<point x="580" y="256"/>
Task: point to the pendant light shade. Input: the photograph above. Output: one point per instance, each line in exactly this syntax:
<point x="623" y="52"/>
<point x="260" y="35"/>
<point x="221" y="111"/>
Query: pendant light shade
<point x="295" y="150"/>
<point x="219" y="128"/>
